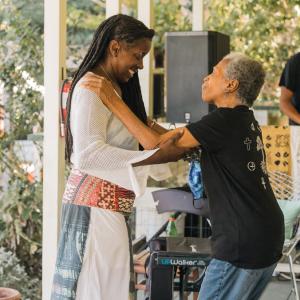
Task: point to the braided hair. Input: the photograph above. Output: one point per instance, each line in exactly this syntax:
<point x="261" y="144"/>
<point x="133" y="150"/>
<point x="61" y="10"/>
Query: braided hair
<point x="121" y="28"/>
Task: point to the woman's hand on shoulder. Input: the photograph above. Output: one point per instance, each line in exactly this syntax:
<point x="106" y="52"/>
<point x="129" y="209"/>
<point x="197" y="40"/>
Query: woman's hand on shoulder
<point x="101" y="86"/>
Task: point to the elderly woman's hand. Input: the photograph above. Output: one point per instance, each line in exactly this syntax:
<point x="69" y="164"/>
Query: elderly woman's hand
<point x="100" y="86"/>
<point x="169" y="135"/>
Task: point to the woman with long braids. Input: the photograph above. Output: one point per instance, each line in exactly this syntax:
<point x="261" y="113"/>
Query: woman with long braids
<point x="93" y="260"/>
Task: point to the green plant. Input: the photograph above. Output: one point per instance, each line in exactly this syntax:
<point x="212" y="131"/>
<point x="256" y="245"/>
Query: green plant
<point x="83" y="18"/>
<point x="170" y="15"/>
<point x="13" y="275"/>
<point x="21" y="215"/>
<point x="266" y="30"/>
<point x="21" y="65"/>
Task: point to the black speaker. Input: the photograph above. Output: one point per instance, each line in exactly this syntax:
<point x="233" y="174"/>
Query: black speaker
<point x="158" y="95"/>
<point x="190" y="56"/>
<point x="161" y="283"/>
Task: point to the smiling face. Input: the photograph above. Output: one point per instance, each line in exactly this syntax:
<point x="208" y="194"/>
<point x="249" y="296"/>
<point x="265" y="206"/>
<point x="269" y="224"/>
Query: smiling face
<point x="128" y="58"/>
<point x="215" y="85"/>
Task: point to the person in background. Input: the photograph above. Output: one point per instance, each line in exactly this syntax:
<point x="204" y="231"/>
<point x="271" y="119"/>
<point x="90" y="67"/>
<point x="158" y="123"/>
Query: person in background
<point x="247" y="223"/>
<point x="290" y="90"/>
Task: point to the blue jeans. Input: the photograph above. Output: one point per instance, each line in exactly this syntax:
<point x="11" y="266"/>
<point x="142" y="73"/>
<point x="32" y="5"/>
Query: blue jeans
<point x="224" y="281"/>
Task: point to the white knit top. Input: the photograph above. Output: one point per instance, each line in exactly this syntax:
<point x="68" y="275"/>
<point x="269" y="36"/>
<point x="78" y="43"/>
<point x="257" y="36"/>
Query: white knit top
<point x="102" y="145"/>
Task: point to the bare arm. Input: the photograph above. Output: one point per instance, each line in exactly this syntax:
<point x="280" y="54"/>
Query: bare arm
<point x="168" y="151"/>
<point x="156" y="127"/>
<point x="148" y="137"/>
<point x="286" y="105"/>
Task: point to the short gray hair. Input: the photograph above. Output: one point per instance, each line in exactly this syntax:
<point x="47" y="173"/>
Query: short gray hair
<point x="249" y="73"/>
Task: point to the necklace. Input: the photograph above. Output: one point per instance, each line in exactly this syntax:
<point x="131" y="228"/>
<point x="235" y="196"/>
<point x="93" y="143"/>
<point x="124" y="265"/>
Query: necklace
<point x="112" y="81"/>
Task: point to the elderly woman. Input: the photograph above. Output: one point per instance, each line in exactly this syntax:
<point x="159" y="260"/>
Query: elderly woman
<point x="247" y="223"/>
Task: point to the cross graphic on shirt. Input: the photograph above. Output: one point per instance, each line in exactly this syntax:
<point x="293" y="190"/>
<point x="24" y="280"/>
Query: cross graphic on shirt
<point x="247" y="142"/>
<point x="263" y="183"/>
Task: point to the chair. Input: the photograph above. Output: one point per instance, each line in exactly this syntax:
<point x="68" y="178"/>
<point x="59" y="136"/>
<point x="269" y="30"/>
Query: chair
<point x="287" y="191"/>
<point x="289" y="253"/>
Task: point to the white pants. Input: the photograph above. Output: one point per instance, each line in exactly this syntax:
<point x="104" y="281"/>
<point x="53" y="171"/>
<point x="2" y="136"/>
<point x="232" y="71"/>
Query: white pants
<point x="106" y="263"/>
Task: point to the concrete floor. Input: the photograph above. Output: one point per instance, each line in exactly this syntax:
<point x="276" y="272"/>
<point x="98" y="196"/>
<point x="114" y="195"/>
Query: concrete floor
<point x="279" y="290"/>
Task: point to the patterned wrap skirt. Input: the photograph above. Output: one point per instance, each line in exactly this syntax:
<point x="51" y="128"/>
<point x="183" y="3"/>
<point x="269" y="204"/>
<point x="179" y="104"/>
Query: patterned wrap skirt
<point x="94" y="258"/>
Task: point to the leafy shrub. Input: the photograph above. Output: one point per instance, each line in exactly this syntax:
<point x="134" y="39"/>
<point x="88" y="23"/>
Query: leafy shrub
<point x="13" y="275"/>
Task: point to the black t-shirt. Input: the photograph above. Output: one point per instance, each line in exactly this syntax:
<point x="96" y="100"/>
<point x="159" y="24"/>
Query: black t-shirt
<point x="247" y="223"/>
<point x="290" y="78"/>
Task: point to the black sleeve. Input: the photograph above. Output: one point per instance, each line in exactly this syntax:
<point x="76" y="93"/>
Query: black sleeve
<point x="210" y="131"/>
<point x="289" y="74"/>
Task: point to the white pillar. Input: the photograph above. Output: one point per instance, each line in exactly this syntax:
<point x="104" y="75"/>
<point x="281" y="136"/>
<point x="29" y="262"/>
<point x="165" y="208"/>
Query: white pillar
<point x="112" y="7"/>
<point x="198" y="15"/>
<point x="145" y="14"/>
<point x="54" y="165"/>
